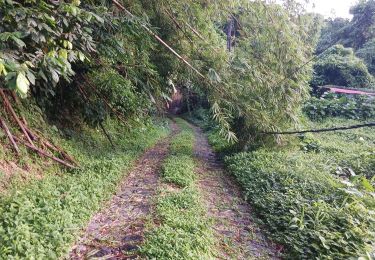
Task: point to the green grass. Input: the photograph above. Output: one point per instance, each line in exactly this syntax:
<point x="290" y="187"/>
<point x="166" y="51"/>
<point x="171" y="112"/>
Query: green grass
<point x="298" y="193"/>
<point x="179" y="170"/>
<point x="184" y="231"/>
<point x="42" y="218"/>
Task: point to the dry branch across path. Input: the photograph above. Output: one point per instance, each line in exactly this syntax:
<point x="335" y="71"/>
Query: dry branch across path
<point x="239" y="237"/>
<point x="117" y="231"/>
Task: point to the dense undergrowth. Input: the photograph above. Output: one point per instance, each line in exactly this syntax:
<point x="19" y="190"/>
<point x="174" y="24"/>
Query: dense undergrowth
<point x="184" y="231"/>
<point x="305" y="209"/>
<point x="333" y="105"/>
<point x="41" y="218"/>
<point x="315" y="194"/>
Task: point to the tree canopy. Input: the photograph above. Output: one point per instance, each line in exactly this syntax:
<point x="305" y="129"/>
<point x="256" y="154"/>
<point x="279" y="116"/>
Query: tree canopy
<point x="354" y="33"/>
<point x="60" y="48"/>
<point x="339" y="66"/>
<point x="355" y="39"/>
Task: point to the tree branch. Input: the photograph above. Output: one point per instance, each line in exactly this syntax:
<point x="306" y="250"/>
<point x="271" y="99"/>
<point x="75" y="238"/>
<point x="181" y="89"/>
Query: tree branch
<point x="10" y="136"/>
<point x="9" y="107"/>
<point x="41" y="152"/>
<point x="121" y="7"/>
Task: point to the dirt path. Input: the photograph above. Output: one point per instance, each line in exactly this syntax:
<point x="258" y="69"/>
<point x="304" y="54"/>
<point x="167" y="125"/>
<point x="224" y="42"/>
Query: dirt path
<point x="239" y="236"/>
<point x="117" y="231"/>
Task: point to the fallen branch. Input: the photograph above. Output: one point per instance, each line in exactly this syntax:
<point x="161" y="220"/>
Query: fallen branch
<point x="53" y="147"/>
<point x="41" y="152"/>
<point x="29" y="134"/>
<point x="106" y="134"/>
<point x="9" y="107"/>
<point x="121" y="7"/>
<point x="371" y="124"/>
<point x="10" y="136"/>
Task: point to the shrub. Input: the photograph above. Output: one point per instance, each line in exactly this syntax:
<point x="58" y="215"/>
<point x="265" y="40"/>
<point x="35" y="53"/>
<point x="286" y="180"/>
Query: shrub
<point x="304" y="208"/>
<point x="367" y="53"/>
<point x="343" y="106"/>
<point x="120" y="93"/>
<point x="339" y="66"/>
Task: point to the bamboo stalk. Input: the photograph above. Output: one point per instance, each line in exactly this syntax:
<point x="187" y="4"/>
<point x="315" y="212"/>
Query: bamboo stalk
<point x="195" y="31"/>
<point x="106" y="134"/>
<point x="11" y="110"/>
<point x="178" y="25"/>
<point x="50" y="146"/>
<point x="43" y="153"/>
<point x="10" y="136"/>
<point x="121" y="7"/>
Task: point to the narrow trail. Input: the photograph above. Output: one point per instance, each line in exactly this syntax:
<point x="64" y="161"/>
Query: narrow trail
<point x="118" y="230"/>
<point x="239" y="236"/>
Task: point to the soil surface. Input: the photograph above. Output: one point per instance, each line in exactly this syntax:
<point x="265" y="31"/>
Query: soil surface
<point x="239" y="237"/>
<point x="118" y="230"/>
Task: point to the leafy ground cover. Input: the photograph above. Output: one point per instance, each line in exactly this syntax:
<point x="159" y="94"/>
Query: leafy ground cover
<point x="303" y="206"/>
<point x="184" y="231"/>
<point x="42" y="218"/>
<point x="334" y="105"/>
<point x="315" y="194"/>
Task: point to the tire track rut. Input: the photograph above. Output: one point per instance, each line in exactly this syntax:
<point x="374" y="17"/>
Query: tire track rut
<point x="239" y="237"/>
<point x="118" y="230"/>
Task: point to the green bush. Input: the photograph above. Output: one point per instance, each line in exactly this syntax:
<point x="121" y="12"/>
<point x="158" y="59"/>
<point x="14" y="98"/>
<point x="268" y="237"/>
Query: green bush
<point x="303" y="207"/>
<point x="205" y="121"/>
<point x="120" y="92"/>
<point x="367" y="53"/>
<point x="343" y="106"/>
<point x="362" y="163"/>
<point x="339" y="66"/>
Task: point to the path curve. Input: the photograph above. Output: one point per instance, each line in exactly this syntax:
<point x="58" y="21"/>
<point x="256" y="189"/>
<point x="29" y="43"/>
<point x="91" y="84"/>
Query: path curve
<point x="239" y="237"/>
<point x="117" y="231"/>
